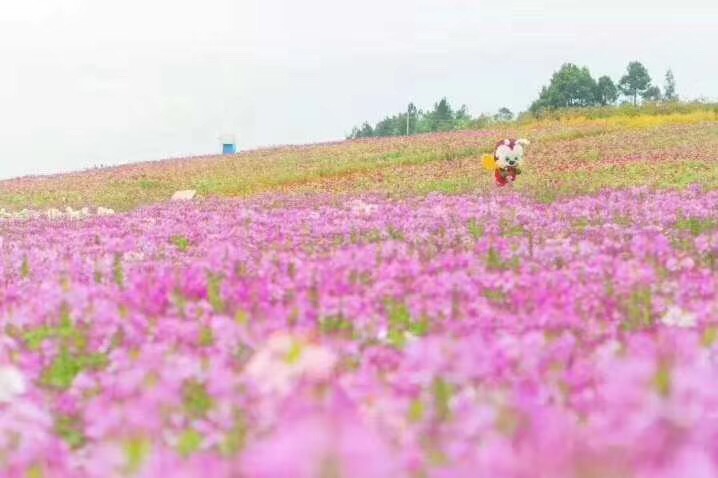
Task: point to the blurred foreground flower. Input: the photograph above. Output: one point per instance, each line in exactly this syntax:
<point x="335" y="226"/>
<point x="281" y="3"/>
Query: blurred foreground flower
<point x="12" y="383"/>
<point x="284" y="360"/>
<point x="315" y="440"/>
<point x="677" y="317"/>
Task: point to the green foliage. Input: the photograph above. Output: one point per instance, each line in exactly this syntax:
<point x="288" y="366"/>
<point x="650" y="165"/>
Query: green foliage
<point x="606" y="91"/>
<point x="475" y="229"/>
<point x="366" y="131"/>
<point x="137" y="451"/>
<point x="710" y="336"/>
<point x="36" y="471"/>
<point x="25" y="268"/>
<point x="443" y="392"/>
<point x="399" y="315"/>
<point x="214" y="293"/>
<point x="504" y="115"/>
<point x="181" y="242"/>
<point x="118" y="271"/>
<point x="67" y="366"/>
<point x="336" y="325"/>
<point x="294" y="355"/>
<point x="149" y="184"/>
<point x="696" y="226"/>
<point x="236" y="438"/>
<point x="35" y="338"/>
<point x="189" y="442"/>
<point x="442" y="117"/>
<point x="669" y="88"/>
<point x="206" y="337"/>
<point x="511" y="229"/>
<point x="416" y="411"/>
<point x="401" y="323"/>
<point x="635" y="82"/>
<point x="448" y="186"/>
<point x="196" y="400"/>
<point x="570" y="87"/>
<point x="241" y="317"/>
<point x="495" y="262"/>
<point x="638" y="310"/>
<point x="663" y="381"/>
<point x="70" y="429"/>
<point x="72" y="358"/>
<point x="652" y="94"/>
<point x="496" y="296"/>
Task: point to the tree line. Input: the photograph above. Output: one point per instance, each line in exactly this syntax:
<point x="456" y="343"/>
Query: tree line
<point x="569" y="87"/>
<point x="442" y="117"/>
<point x="574" y="87"/>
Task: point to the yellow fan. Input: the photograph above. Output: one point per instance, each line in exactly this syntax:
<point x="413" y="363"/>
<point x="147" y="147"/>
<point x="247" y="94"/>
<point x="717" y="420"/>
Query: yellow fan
<point x="489" y="162"/>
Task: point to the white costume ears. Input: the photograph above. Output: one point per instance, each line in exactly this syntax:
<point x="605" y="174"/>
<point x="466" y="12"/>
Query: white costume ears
<point x="523" y="142"/>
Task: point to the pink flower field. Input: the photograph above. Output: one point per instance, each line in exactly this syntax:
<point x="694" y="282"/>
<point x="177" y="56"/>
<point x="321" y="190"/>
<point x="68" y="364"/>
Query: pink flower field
<point x="469" y="335"/>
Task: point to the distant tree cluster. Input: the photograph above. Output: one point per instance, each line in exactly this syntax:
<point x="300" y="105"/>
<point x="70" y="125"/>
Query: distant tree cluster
<point x="574" y="87"/>
<point x="570" y="87"/>
<point x="442" y="117"/>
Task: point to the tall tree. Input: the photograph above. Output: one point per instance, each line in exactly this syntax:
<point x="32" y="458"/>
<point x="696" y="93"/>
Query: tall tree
<point x="504" y="114"/>
<point x="366" y="130"/>
<point x="652" y="94"/>
<point x="669" y="88"/>
<point x="462" y="113"/>
<point x="606" y="92"/>
<point x="462" y="118"/>
<point x="442" y="117"/>
<point x="391" y="126"/>
<point x="570" y="87"/>
<point x="542" y="103"/>
<point x="635" y="82"/>
<point x="411" y="118"/>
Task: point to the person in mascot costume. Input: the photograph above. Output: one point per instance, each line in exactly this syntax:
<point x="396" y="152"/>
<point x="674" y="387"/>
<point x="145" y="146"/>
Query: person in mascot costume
<point x="506" y="161"/>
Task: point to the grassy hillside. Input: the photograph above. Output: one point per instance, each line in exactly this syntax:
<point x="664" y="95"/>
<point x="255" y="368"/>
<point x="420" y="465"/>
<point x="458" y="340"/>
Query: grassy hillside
<point x="569" y="155"/>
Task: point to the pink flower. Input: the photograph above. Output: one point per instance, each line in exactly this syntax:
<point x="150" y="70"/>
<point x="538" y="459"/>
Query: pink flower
<point x="314" y="442"/>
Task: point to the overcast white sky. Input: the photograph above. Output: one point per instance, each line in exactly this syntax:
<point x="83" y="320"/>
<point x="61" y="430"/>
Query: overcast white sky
<point x="89" y="82"/>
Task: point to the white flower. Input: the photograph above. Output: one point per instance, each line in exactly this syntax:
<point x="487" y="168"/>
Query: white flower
<point x="285" y="359"/>
<point x="316" y="362"/>
<point x="383" y="333"/>
<point x="103" y="211"/>
<point x="677" y="317"/>
<point x="362" y="208"/>
<point x="134" y="256"/>
<point x="53" y="213"/>
<point x="73" y="214"/>
<point x="12" y="383"/>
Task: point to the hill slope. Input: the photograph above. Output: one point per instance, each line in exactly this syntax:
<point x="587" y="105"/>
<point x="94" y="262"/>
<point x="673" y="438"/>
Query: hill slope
<point x="567" y="157"/>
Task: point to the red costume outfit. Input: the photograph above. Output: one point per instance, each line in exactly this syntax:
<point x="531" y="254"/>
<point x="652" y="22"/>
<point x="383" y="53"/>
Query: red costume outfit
<point x="504" y="175"/>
